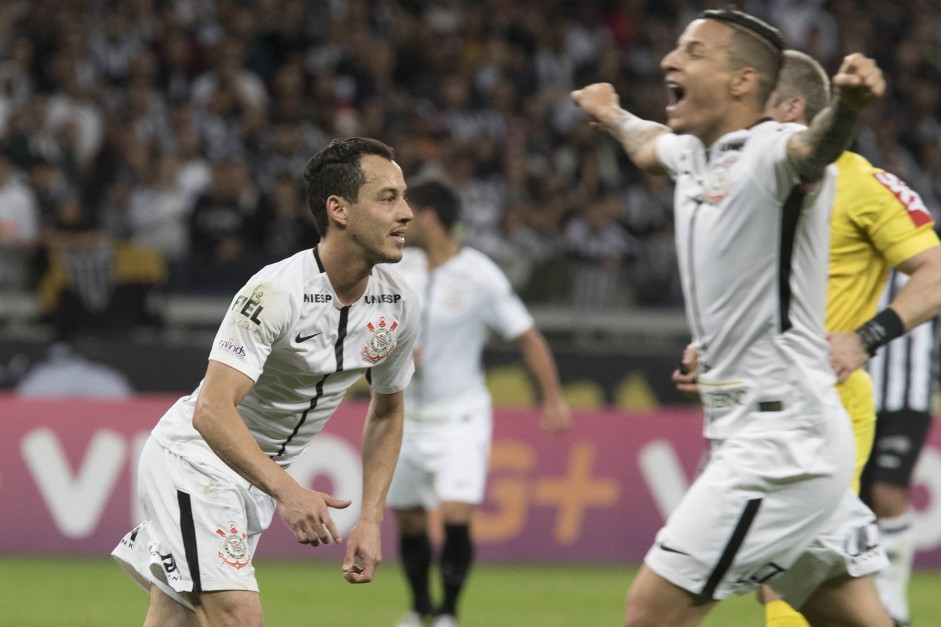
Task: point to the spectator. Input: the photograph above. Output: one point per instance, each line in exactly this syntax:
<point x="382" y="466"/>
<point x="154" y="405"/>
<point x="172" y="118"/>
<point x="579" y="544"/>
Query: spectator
<point x="223" y="229"/>
<point x="19" y="225"/>
<point x="114" y="44"/>
<point x="93" y="283"/>
<point x="285" y="223"/>
<point x="600" y="246"/>
<point x="481" y="86"/>
<point x="158" y="212"/>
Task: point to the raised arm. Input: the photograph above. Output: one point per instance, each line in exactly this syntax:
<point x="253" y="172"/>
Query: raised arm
<point x="856" y="85"/>
<point x="636" y="136"/>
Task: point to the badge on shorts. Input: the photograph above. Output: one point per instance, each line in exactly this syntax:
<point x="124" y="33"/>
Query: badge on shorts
<point x="382" y="341"/>
<point x="234" y="548"/>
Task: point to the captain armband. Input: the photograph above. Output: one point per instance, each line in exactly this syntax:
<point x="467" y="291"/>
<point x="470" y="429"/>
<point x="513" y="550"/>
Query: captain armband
<point x="881" y="329"/>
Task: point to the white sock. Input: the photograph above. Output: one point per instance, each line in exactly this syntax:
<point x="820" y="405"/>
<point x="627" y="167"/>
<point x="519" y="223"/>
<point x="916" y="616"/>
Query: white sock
<point x="898" y="538"/>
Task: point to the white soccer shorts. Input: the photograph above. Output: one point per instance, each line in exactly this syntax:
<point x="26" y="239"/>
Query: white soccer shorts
<point x="203" y="525"/>
<point x="443" y="460"/>
<point x="771" y="508"/>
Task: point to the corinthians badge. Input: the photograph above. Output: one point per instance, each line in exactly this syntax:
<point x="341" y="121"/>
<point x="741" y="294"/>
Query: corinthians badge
<point x="719" y="180"/>
<point x="234" y="548"/>
<point x="381" y="342"/>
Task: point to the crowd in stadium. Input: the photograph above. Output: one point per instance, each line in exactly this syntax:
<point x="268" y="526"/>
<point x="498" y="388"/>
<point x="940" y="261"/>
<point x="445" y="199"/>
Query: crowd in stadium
<point x="183" y="126"/>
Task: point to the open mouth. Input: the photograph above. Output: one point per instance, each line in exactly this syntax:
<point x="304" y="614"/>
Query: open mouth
<point x="399" y="236"/>
<point x="675" y="95"/>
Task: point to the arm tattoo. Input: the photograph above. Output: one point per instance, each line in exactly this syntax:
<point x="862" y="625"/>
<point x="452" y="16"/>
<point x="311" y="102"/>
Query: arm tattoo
<point x="636" y="136"/>
<point x="822" y="143"/>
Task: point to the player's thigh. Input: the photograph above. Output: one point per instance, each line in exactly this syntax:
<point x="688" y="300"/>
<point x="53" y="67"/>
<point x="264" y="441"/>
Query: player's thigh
<point x="412" y="486"/>
<point x="654" y="601"/>
<point x="228" y="608"/>
<point x="846" y="602"/>
<point x="461" y="460"/>
<point x="165" y="612"/>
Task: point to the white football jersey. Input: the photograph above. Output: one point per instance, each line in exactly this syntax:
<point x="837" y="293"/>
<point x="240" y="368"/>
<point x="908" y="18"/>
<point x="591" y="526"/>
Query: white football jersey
<point x="287" y="331"/>
<point x="753" y="250"/>
<point x="463" y="300"/>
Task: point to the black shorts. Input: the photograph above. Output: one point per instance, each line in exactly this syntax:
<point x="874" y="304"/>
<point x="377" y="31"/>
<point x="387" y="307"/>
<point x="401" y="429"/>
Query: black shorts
<point x="900" y="436"/>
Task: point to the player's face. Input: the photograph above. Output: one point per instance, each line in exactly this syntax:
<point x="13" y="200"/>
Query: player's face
<point x="697" y="73"/>
<point x="379" y="217"/>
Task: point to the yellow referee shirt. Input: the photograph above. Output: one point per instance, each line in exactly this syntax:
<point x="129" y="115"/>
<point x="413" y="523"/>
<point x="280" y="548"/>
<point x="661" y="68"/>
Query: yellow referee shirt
<point x="878" y="222"/>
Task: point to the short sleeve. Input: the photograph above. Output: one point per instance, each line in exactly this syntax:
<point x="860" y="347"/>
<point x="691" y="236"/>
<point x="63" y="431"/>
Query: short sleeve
<point x="773" y="169"/>
<point x="669" y="146"/>
<point x="257" y="317"/>
<point x="896" y="219"/>
<point x="504" y="312"/>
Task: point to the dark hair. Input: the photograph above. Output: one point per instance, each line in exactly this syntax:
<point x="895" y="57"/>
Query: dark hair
<point x="336" y="171"/>
<point x="732" y="16"/>
<point x="754" y="43"/>
<point x="801" y="76"/>
<point x="437" y="196"/>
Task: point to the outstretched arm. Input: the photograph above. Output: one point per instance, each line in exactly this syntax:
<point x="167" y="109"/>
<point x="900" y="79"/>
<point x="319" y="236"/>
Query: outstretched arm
<point x="636" y="136"/>
<point x="856" y="85"/>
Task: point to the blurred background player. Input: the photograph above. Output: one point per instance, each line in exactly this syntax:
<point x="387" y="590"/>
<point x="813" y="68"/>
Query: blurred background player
<point x="904" y="377"/>
<point x="448" y="413"/>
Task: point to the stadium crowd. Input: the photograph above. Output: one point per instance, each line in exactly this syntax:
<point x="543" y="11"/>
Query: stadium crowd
<point x="181" y="127"/>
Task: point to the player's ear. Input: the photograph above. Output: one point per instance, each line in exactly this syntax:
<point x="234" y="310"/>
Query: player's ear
<point x="744" y="81"/>
<point x="793" y="110"/>
<point x="798" y="107"/>
<point x="338" y="209"/>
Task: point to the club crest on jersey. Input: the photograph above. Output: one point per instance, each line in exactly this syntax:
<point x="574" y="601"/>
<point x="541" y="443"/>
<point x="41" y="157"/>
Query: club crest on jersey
<point x="234" y="547"/>
<point x="382" y="341"/>
<point x="719" y="180"/>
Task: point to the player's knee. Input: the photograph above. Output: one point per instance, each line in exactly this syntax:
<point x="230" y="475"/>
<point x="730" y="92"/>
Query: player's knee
<point x="640" y="610"/>
<point x="639" y="614"/>
<point x="229" y="608"/>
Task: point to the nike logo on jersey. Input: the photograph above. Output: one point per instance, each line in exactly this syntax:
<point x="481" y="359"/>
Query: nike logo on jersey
<point x="670" y="549"/>
<point x="303" y="338"/>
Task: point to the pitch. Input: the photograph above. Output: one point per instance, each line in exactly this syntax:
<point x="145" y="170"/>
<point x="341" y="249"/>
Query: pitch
<point x="78" y="592"/>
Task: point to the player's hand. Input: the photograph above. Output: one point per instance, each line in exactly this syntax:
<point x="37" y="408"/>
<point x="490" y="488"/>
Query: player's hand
<point x="556" y="416"/>
<point x="859" y="80"/>
<point x="308" y="517"/>
<point x="363" y="553"/>
<point x="685" y="376"/>
<point x="847" y="353"/>
<point x="601" y="103"/>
